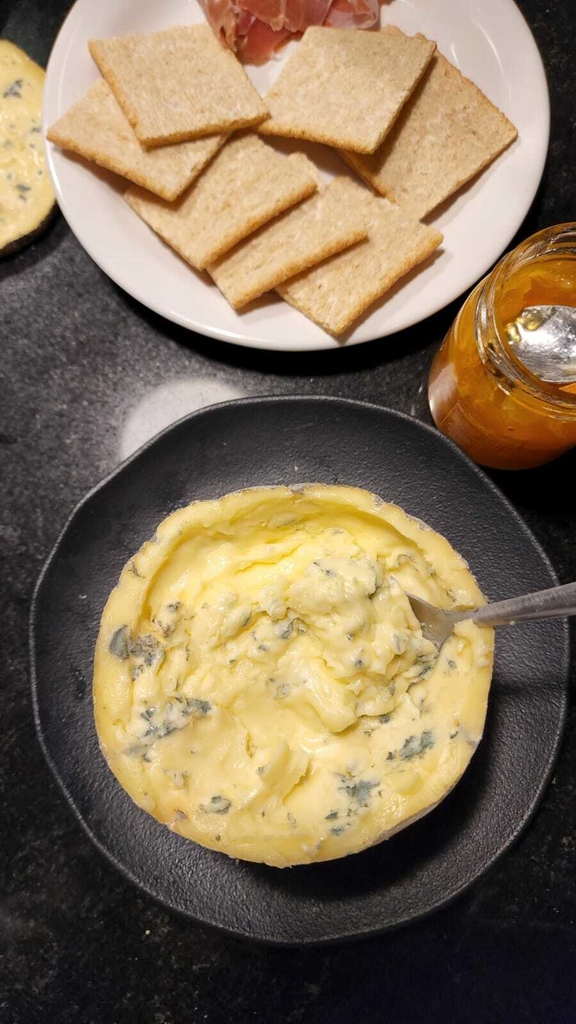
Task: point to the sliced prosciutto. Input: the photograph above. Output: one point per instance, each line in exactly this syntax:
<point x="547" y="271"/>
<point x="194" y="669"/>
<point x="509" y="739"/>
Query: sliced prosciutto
<point x="259" y="42"/>
<point x="222" y="16"/>
<point x="293" y="15"/>
<point x="254" y="29"/>
<point x="353" y="14"/>
<point x="251" y="39"/>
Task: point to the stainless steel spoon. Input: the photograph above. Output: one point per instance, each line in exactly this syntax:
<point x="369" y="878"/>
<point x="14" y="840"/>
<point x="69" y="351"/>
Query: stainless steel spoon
<point x="544" y="339"/>
<point x="437" y="624"/>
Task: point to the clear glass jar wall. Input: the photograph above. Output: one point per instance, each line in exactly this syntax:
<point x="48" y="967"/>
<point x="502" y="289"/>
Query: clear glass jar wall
<point x="480" y="394"/>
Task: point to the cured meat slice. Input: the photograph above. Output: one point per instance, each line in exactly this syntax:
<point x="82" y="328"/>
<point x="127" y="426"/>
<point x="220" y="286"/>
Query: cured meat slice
<point x="293" y="15"/>
<point x="223" y="16"/>
<point x="254" y="29"/>
<point x="252" y="39"/>
<point x="353" y="14"/>
<point x="260" y="42"/>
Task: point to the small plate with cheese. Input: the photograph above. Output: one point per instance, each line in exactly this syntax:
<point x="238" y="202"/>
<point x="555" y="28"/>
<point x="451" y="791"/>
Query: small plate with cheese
<point x="260" y="687"/>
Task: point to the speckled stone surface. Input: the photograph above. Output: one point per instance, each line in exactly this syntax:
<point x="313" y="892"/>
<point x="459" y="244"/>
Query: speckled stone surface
<point x="86" y="376"/>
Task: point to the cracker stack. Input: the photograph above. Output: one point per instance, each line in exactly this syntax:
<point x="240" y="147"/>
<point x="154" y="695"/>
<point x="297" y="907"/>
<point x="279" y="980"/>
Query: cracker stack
<point x="245" y="186"/>
<point x="339" y="291"/>
<point x="447" y="133"/>
<point x="348" y="85"/>
<point x="301" y="238"/>
<point x="178" y="84"/>
<point x="97" y="129"/>
<point x="166" y="117"/>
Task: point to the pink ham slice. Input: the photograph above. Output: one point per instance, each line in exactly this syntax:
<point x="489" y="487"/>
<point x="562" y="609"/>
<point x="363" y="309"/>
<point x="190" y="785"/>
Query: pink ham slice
<point x="251" y="39"/>
<point x="259" y="42"/>
<point x="223" y="16"/>
<point x="293" y="15"/>
<point x="254" y="29"/>
<point x="353" y="14"/>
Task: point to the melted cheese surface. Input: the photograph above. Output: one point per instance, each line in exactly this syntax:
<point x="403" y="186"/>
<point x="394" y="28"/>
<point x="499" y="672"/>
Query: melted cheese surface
<point x="262" y="686"/>
<point x="26" y="194"/>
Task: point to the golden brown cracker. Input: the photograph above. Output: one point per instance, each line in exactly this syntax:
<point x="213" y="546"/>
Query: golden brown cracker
<point x="305" y="235"/>
<point x="178" y="84"/>
<point x="348" y="85"/>
<point x="447" y="133"/>
<point x="338" y="291"/>
<point x="246" y="185"/>
<point x="97" y="129"/>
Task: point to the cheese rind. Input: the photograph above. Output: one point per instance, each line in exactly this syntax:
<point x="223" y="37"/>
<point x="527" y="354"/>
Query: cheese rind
<point x="262" y="686"/>
<point x="26" y="195"/>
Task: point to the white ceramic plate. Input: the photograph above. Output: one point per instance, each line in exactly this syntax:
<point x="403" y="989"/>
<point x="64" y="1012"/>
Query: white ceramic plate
<point x="487" y="39"/>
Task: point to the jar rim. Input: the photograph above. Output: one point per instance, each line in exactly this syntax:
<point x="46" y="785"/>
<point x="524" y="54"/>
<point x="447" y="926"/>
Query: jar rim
<point x="557" y="240"/>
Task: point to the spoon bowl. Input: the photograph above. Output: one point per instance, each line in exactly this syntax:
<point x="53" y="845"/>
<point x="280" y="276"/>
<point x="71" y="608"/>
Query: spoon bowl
<point x="544" y="339"/>
<point x="437" y="624"/>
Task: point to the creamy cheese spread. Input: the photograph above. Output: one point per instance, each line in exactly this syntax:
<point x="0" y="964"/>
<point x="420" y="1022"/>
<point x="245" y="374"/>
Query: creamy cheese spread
<point x="26" y="194"/>
<point x="262" y="686"/>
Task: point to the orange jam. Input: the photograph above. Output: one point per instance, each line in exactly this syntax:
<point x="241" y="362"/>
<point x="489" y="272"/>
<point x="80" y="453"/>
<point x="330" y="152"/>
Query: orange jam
<point x="481" y="395"/>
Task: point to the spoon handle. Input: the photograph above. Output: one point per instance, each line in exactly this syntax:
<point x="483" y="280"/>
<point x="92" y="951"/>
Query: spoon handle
<point x="544" y="604"/>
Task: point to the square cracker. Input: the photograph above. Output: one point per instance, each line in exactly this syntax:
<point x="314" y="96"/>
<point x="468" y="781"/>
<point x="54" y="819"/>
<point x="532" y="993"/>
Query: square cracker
<point x="97" y="129"/>
<point x="345" y="85"/>
<point x="246" y="184"/>
<point x="337" y="292"/>
<point x="300" y="238"/>
<point x="447" y="133"/>
<point x="177" y="84"/>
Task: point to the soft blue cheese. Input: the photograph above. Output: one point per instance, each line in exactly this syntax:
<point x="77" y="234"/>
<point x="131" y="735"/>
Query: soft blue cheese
<point x="260" y="676"/>
<point x="26" y="195"/>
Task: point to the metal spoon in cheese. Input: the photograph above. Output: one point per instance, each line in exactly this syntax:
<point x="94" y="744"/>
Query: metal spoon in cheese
<point x="262" y="686"/>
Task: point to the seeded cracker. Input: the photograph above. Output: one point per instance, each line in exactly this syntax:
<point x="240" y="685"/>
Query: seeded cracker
<point x="346" y="88"/>
<point x="178" y="84"/>
<point x="447" y="133"/>
<point x="321" y="226"/>
<point x="96" y="129"/>
<point x="337" y="292"/>
<point x="245" y="186"/>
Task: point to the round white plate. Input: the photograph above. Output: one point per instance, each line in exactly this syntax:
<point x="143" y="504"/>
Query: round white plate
<point x="487" y="39"/>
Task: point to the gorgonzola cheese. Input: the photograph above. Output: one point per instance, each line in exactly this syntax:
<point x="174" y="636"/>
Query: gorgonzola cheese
<point x="26" y="194"/>
<point x="262" y="686"/>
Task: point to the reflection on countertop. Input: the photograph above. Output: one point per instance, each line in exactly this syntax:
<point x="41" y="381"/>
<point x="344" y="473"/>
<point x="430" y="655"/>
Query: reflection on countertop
<point x="167" y="403"/>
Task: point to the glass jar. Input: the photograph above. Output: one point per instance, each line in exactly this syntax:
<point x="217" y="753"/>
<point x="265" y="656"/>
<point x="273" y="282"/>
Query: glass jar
<point x="480" y="394"/>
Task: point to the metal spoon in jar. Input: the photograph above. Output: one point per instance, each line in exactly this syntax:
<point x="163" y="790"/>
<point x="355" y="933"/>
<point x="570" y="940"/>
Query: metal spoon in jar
<point x="544" y="339"/>
<point x="438" y="624"/>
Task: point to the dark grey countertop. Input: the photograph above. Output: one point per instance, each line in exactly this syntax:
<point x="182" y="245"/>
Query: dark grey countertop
<point x="86" y="376"/>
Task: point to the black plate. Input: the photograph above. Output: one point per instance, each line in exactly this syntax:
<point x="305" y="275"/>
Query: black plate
<point x="287" y="440"/>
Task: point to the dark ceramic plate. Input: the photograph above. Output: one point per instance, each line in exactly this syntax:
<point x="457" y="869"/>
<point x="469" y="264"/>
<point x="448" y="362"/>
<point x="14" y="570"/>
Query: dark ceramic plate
<point x="287" y="440"/>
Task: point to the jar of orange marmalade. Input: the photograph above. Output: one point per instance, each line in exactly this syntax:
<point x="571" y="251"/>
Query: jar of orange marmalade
<point x="480" y="393"/>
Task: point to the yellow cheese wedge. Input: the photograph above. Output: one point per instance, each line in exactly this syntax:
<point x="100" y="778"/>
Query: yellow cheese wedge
<point x="262" y="687"/>
<point x="26" y="195"/>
